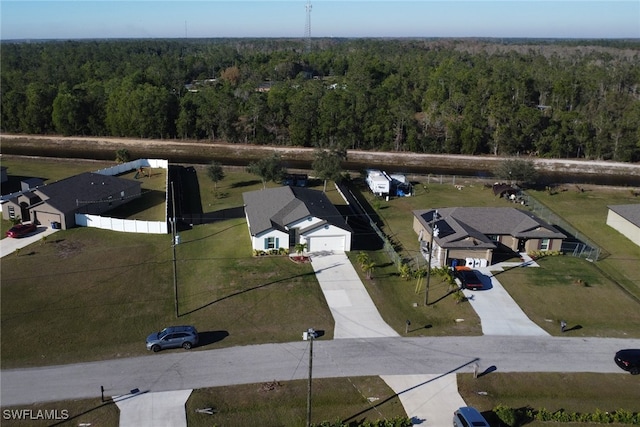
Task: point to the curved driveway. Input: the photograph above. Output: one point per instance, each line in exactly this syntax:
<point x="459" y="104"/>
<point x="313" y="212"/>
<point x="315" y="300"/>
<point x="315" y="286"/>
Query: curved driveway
<point x="180" y="370"/>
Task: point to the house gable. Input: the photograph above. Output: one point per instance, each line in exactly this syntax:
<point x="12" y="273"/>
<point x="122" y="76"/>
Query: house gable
<point x="291" y="212"/>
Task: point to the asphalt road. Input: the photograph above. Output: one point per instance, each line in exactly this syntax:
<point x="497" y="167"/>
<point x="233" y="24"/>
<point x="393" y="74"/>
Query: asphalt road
<point x="179" y="369"/>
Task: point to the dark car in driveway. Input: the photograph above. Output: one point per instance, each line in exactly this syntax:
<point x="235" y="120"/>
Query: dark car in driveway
<point x="21" y="230"/>
<point x="629" y="360"/>
<point x="468" y="278"/>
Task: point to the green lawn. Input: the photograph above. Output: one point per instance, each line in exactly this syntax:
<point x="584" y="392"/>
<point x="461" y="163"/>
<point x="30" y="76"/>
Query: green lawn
<point x="572" y="392"/>
<point x="88" y="294"/>
<point x="589" y="296"/>
<point x="369" y="398"/>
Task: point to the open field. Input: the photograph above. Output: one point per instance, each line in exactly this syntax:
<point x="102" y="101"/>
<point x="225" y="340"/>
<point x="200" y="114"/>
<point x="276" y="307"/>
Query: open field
<point x="583" y="393"/>
<point x="563" y="287"/>
<point x="284" y="403"/>
<point x="90" y="294"/>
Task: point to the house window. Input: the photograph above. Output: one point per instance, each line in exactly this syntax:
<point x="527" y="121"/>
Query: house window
<point x="271" y="243"/>
<point x="494" y="237"/>
<point x="12" y="212"/>
<point x="545" y="244"/>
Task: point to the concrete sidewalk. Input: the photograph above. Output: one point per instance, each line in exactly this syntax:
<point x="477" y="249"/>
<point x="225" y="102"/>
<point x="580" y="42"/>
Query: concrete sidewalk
<point x="353" y="311"/>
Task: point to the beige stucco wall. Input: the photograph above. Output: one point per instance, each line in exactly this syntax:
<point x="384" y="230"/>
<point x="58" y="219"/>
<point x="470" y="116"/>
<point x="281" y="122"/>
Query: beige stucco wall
<point x="626" y="228"/>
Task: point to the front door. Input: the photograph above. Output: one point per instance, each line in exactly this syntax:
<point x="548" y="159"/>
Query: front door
<point x="294" y="237"/>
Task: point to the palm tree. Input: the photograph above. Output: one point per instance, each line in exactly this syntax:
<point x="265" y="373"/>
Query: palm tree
<point x="368" y="269"/>
<point x="363" y="259"/>
<point x="300" y="248"/>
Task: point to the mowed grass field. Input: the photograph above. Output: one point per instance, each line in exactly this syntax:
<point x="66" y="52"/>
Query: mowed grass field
<point x="88" y="294"/>
<point x="595" y="299"/>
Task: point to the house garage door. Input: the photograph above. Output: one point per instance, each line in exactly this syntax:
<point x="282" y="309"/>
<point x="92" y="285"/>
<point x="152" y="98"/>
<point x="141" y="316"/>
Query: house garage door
<point x="325" y="243"/>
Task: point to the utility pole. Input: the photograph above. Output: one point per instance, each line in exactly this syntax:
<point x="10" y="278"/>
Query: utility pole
<point x="434" y="231"/>
<point x="174" y="243"/>
<point x="310" y="334"/>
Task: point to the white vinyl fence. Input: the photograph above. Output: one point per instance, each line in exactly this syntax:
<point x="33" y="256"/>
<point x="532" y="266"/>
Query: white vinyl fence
<point x="124" y="225"/>
<point x="128" y="225"/>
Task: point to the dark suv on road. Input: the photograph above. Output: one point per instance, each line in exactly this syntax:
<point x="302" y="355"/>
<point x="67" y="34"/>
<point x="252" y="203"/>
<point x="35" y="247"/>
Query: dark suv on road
<point x="173" y="337"/>
<point x="629" y="360"/>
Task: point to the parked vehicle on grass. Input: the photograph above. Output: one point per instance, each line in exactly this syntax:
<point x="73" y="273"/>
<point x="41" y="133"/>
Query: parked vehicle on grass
<point x="21" y="230"/>
<point x="468" y="278"/>
<point x="468" y="417"/>
<point x="629" y="360"/>
<point x="173" y="337"/>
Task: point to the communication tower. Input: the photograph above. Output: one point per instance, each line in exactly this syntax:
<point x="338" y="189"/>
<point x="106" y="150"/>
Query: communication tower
<point x="307" y="28"/>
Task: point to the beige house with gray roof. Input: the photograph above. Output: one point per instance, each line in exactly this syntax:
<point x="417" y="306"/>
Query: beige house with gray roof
<point x="478" y="232"/>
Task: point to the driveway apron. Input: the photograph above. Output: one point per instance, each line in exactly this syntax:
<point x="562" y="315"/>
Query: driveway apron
<point x="161" y="409"/>
<point x="429" y="400"/>
<point x="353" y="311"/>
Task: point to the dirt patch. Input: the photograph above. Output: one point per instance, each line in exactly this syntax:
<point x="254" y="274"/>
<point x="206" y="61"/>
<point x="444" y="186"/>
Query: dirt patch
<point x="68" y="248"/>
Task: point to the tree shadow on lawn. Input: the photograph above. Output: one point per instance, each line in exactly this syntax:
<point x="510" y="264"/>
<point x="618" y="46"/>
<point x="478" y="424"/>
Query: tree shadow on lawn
<point x="246" y="183"/>
<point x="312" y="273"/>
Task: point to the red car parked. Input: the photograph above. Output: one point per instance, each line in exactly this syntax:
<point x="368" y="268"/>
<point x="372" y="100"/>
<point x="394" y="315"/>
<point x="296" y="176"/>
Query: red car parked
<point x="21" y="230"/>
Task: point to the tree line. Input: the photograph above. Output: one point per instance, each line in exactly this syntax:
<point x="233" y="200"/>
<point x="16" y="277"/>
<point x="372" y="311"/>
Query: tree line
<point x="563" y="99"/>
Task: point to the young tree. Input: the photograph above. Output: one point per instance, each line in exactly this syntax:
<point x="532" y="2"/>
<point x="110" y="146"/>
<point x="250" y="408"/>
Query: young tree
<point x="326" y="164"/>
<point x="517" y="170"/>
<point x="268" y="169"/>
<point x="122" y="155"/>
<point x="215" y="173"/>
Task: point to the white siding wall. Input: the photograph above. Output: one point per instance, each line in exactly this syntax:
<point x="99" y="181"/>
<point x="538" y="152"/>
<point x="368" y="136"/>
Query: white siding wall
<point x="628" y="229"/>
<point x="257" y="242"/>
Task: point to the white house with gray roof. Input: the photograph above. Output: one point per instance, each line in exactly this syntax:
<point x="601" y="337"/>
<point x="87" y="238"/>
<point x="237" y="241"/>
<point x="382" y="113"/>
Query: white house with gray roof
<point x="282" y="217"/>
<point x="626" y="220"/>
<point x="477" y="232"/>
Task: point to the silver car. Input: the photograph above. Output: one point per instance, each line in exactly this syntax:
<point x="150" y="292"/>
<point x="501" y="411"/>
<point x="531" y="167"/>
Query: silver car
<point x="173" y="337"/>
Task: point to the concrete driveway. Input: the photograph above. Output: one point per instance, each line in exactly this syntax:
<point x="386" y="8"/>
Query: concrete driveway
<point x="499" y="313"/>
<point x="353" y="311"/>
<point x="9" y="245"/>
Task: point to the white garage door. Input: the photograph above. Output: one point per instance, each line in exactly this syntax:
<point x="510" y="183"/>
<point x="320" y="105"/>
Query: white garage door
<point x="326" y="243"/>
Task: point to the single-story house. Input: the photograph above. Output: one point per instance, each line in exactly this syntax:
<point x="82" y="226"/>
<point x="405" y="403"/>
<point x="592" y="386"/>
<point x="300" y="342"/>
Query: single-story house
<point x="476" y="232"/>
<point x="626" y="220"/>
<point x="283" y="217"/>
<point x="58" y="202"/>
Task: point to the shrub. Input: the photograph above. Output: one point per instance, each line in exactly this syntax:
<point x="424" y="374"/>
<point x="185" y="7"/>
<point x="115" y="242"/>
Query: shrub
<point x="506" y="414"/>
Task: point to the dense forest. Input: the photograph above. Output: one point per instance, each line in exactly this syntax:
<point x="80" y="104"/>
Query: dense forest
<point x="568" y="99"/>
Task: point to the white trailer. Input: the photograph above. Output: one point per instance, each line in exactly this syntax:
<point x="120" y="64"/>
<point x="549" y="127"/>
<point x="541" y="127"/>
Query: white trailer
<point x="379" y="182"/>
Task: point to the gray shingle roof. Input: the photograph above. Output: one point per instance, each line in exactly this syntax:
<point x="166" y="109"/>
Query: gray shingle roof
<point x="68" y="194"/>
<point x="629" y="212"/>
<point x="278" y="207"/>
<point x="471" y="226"/>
